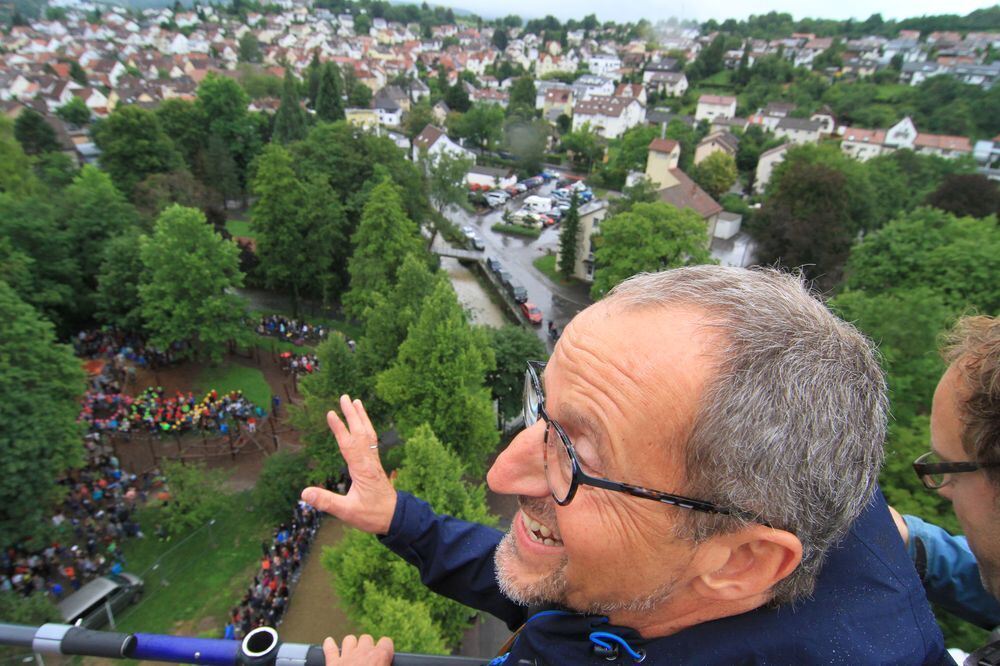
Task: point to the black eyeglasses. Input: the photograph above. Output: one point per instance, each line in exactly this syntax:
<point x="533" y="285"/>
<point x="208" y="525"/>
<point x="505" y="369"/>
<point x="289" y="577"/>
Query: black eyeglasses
<point x="562" y="467"/>
<point x="934" y="473"/>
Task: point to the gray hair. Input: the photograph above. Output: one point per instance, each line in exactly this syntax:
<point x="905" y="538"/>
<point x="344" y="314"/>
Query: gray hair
<point x="791" y="428"/>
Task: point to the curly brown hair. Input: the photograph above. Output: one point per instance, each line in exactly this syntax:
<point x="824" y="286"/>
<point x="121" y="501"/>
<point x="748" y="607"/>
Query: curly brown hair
<point x="974" y="345"/>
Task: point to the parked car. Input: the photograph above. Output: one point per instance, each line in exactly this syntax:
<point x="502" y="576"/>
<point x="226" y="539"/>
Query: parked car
<point x="531" y="311"/>
<point x="519" y="293"/>
<point x="511" y="190"/>
<point x="88" y="607"/>
<point x="520" y="187"/>
<point x="547" y="220"/>
<point x="506" y="279"/>
<point x="548" y="175"/>
<point x="477" y="243"/>
<point x="469" y="232"/>
<point x="493" y="264"/>
<point x="556" y="213"/>
<point x="534" y="181"/>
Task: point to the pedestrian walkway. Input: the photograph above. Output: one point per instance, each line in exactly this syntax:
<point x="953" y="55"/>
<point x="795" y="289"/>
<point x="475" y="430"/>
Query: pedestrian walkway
<point x="314" y="611"/>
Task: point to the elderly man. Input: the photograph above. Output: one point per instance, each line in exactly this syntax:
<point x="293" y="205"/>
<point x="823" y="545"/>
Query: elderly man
<point x="697" y="484"/>
<point x="962" y="573"/>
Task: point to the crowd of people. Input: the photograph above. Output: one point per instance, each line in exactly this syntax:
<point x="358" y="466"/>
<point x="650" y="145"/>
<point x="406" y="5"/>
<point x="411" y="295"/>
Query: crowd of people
<point x="264" y="603"/>
<point x="291" y="330"/>
<point x="124" y="347"/>
<point x="154" y="411"/>
<point x="87" y="530"/>
<point x="299" y="364"/>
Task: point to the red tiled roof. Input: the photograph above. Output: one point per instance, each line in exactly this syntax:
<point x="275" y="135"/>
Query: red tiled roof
<point x="687" y="194"/>
<point x="943" y="142"/>
<point x="720" y="100"/>
<point x="662" y="145"/>
<point x="860" y="135"/>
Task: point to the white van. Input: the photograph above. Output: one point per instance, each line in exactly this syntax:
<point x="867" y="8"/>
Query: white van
<point x="537" y="204"/>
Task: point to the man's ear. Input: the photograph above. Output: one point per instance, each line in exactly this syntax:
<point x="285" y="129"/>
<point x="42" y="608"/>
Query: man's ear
<point x="746" y="563"/>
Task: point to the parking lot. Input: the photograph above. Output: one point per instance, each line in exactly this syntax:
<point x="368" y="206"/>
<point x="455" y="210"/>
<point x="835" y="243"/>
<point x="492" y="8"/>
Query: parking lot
<point x="558" y="303"/>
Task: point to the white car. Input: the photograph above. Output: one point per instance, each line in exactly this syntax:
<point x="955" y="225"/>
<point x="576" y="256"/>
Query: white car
<point x="469" y="232"/>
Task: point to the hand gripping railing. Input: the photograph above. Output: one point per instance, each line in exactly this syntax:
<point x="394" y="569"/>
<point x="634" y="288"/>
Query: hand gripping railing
<point x="260" y="647"/>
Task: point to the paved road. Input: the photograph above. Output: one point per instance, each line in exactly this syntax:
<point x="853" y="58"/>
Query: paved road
<point x="557" y="302"/>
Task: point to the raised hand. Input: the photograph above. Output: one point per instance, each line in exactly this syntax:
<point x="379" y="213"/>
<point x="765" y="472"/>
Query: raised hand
<point x="371" y="501"/>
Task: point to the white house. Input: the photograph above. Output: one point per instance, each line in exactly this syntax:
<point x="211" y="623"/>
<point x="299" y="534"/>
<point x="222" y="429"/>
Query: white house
<point x="608" y="116"/>
<point x="672" y="84"/>
<point x="491" y="177"/>
<point x="714" y="106"/>
<point x="730" y="246"/>
<point x="765" y="166"/>
<point x="433" y="141"/>
<point x="863" y="144"/>
<point x="798" y="130"/>
<point x="603" y="64"/>
<point x="901" y="135"/>
<point x="591" y="215"/>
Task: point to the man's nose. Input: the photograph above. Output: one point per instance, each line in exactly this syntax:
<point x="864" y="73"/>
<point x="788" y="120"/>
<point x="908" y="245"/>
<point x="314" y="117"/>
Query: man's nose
<point x="519" y="470"/>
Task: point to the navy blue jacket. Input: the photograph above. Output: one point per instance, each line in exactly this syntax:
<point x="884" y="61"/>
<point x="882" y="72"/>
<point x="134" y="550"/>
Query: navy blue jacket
<point x="868" y="608"/>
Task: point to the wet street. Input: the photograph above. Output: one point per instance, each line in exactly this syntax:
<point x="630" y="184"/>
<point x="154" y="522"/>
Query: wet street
<point x="558" y="303"/>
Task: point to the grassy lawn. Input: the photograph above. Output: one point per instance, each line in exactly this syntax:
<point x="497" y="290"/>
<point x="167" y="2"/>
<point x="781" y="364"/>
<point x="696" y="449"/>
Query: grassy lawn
<point x="240" y="228"/>
<point x="721" y="79"/>
<point x="225" y="378"/>
<point x="516" y="230"/>
<point x="547" y="265"/>
<point x="196" y="581"/>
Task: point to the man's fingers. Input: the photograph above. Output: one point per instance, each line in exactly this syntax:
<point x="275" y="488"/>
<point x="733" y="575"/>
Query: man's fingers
<point x="324" y="500"/>
<point x="350" y="412"/>
<point x="350" y="445"/>
<point x="348" y="644"/>
<point x="385" y="647"/>
<point x="330" y="650"/>
<point x="365" y="421"/>
<point x="365" y="641"/>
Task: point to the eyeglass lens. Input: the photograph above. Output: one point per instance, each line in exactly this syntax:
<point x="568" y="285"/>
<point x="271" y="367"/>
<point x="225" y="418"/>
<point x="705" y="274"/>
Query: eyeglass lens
<point x="933" y="480"/>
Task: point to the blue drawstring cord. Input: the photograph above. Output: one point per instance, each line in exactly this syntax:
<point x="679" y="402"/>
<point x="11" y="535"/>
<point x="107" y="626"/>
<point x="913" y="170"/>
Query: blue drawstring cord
<point x="602" y="638"/>
<point x="497" y="661"/>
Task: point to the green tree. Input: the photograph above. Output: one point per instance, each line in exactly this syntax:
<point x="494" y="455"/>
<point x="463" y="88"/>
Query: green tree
<point x="94" y="211"/>
<point x="420" y="116"/>
<point x="224" y="104"/>
<point x="709" y="61"/>
<point x="446" y="179"/>
<point x="907" y="341"/>
<point x="16" y="176"/>
<point x="329" y="105"/>
<point x="219" y="169"/>
<point x="392" y="314"/>
<point x="650" y="237"/>
<point x="249" y="48"/>
<point x="55" y="169"/>
<point x="642" y="191"/>
<point x="363" y="570"/>
<point x="290" y="120"/>
<point x="41" y="383"/>
<point x="159" y="190"/>
<point x="117" y="296"/>
<point x="438" y="378"/>
<point x="818" y="201"/>
<point x="77" y="73"/>
<point x="970" y="194"/>
<point x="513" y="347"/>
<point x="299" y="227"/>
<point x="628" y="154"/>
<point x="282" y="478"/>
<point x="457" y="98"/>
<point x="190" y="272"/>
<point x="34" y="133"/>
<point x="688" y="138"/>
<point x="522" y="92"/>
<point x="312" y="79"/>
<point x="716" y="174"/>
<point x="75" y="112"/>
<point x="186" y="125"/>
<point x="134" y="145"/>
<point x="383" y="238"/>
<point x="338" y="374"/>
<point x="957" y="257"/>
<point x="48" y="275"/>
<point x="482" y="124"/>
<point x="360" y="96"/>
<point x="585" y="145"/>
<point x="35" y="609"/>
<point x="569" y="239"/>
<point x="196" y="495"/>
<point x="347" y="156"/>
